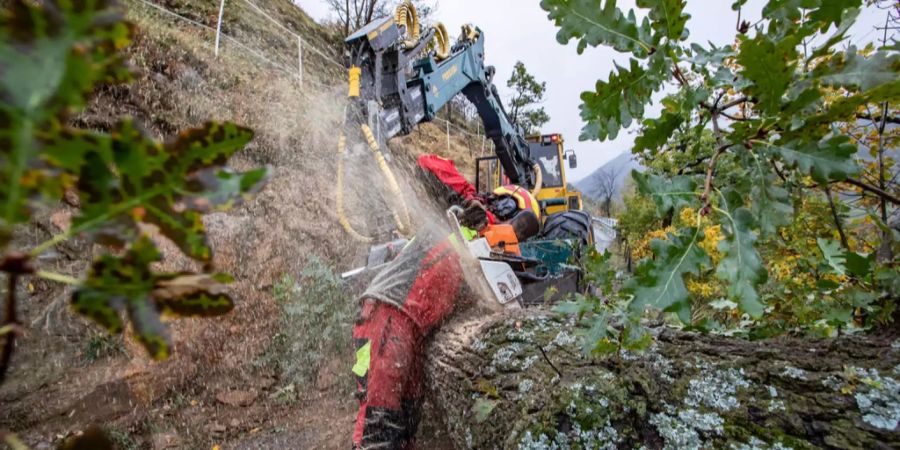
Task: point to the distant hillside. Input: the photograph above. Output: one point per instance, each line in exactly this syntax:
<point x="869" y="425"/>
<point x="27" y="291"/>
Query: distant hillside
<point x="612" y="174"/>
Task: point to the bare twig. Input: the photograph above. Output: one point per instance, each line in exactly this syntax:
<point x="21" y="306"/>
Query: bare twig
<point x="778" y="170"/>
<point x="734" y="118"/>
<point x="718" y="99"/>
<point x="881" y="177"/>
<point x="691" y="165"/>
<point x="547" y="358"/>
<point x="679" y="76"/>
<point x="734" y="103"/>
<point x="711" y="172"/>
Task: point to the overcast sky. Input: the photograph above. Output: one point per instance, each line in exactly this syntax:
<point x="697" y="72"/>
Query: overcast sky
<point x="520" y="30"/>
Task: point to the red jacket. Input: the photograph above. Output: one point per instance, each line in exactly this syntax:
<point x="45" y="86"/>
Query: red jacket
<point x="424" y="280"/>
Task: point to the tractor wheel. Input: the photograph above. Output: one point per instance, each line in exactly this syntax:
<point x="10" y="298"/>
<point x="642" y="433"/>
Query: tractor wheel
<point x="569" y="225"/>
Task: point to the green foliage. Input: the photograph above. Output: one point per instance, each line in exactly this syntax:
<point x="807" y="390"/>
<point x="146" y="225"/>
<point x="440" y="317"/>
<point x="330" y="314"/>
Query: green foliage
<point x="617" y="101"/>
<point x="316" y="317"/>
<point x="527" y="93"/>
<point x="637" y="219"/>
<point x="771" y="206"/>
<point x="670" y="194"/>
<point x="769" y="65"/>
<point x="751" y="137"/>
<point x="103" y="346"/>
<point x="657" y="132"/>
<point x="741" y="267"/>
<point x="825" y="161"/>
<point x="667" y="18"/>
<point x="602" y="313"/>
<point x="660" y="282"/>
<point x="853" y="71"/>
<point x="836" y="258"/>
<point x="593" y="25"/>
<point x="55" y="54"/>
<point x="122" y="440"/>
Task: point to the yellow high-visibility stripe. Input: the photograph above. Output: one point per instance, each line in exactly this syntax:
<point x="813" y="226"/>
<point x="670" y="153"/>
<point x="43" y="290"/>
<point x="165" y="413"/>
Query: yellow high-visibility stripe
<point x="363" y="360"/>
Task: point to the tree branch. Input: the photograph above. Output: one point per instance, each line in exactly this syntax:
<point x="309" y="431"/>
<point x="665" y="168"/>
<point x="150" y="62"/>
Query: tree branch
<point x="711" y="170"/>
<point x="679" y="76"/>
<point x="710" y="173"/>
<point x="9" y="319"/>
<point x="14" y="265"/>
<point x="885" y="195"/>
<point x="889" y="119"/>
<point x="734" y="118"/>
<point x="837" y="218"/>
<point x="734" y="103"/>
<point x="693" y="164"/>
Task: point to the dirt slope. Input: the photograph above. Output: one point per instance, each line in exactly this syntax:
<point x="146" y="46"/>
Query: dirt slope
<point x="216" y="389"/>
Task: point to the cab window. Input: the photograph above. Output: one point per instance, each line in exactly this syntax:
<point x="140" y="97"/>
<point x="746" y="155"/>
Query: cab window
<point x="547" y="156"/>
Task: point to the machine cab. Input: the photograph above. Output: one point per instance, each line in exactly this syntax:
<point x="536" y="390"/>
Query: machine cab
<point x="548" y="152"/>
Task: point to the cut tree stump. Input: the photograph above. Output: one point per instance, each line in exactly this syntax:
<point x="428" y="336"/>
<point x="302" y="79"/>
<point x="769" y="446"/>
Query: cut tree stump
<point x="522" y="382"/>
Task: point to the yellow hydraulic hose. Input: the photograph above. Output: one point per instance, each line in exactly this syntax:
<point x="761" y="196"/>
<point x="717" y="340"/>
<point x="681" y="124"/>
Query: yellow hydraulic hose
<point x="538" y="180"/>
<point x="441" y="42"/>
<point x="342" y="218"/>
<point x="407" y="16"/>
<point x="402" y="218"/>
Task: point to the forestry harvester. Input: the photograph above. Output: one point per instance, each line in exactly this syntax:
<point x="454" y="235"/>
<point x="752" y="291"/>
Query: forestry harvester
<point x="401" y="75"/>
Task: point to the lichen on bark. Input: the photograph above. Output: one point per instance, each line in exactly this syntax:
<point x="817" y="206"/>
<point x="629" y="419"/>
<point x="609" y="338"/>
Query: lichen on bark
<point x="521" y="382"/>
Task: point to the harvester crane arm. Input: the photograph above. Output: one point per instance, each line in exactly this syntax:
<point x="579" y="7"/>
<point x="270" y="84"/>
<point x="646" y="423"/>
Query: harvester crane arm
<point x="397" y="82"/>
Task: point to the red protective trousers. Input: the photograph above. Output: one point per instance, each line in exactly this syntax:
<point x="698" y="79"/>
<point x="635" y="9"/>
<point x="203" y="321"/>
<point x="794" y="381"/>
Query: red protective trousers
<point x="390" y="343"/>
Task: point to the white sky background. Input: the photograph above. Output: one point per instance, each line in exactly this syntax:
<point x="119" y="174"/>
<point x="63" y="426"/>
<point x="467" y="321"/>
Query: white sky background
<point x="520" y="30"/>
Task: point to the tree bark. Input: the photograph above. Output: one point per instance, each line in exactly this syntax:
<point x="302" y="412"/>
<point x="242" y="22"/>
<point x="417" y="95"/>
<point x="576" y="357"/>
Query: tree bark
<point x="521" y="382"/>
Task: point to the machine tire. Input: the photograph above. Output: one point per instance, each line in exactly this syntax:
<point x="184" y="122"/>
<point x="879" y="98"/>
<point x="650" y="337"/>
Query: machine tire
<point x="569" y="225"/>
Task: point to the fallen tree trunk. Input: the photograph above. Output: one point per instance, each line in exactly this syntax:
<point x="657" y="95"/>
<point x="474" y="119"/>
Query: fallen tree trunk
<point x="522" y="383"/>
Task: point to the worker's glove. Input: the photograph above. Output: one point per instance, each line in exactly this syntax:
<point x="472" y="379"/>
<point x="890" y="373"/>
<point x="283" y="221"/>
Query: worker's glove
<point x="474" y="215"/>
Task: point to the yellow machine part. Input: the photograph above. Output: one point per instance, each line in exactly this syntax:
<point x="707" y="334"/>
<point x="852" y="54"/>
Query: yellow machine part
<point x="401" y="218"/>
<point x="339" y="203"/>
<point x="441" y="42"/>
<point x="407" y="16"/>
<point x="353" y="81"/>
<point x="566" y="198"/>
<point x="469" y="32"/>
<point x="523" y="198"/>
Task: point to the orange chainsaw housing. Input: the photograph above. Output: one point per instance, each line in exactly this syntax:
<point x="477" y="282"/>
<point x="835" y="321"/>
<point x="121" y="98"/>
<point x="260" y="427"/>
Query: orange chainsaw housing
<point x="502" y="238"/>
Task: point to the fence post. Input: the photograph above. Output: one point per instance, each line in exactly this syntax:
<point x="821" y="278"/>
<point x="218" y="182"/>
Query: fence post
<point x="300" y="59"/>
<point x="483" y="140"/>
<point x="219" y="25"/>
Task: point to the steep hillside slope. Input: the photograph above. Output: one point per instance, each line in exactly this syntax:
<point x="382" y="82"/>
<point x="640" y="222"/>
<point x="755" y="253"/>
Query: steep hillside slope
<point x="218" y="388"/>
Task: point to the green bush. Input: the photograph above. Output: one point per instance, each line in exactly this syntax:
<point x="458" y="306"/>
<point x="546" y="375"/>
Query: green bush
<point x="316" y="321"/>
<point x="102" y="345"/>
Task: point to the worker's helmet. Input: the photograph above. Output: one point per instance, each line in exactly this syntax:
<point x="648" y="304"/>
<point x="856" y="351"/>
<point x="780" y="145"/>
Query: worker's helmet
<point x="511" y="199"/>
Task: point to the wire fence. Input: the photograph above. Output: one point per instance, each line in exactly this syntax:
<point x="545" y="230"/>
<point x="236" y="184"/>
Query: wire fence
<point x="304" y="47"/>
